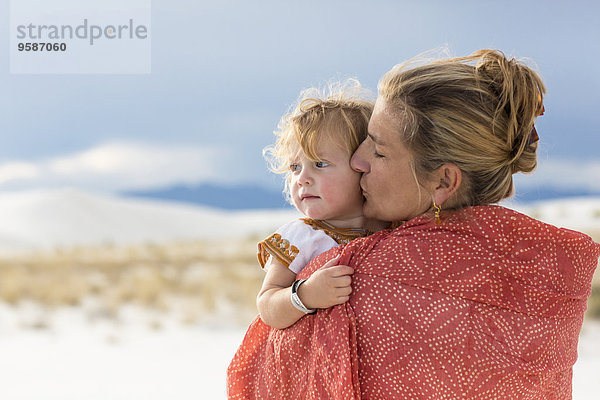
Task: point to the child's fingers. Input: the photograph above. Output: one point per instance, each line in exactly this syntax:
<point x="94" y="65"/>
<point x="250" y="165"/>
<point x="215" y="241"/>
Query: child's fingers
<point x="342" y="281"/>
<point x="341" y="270"/>
<point x="343" y="294"/>
<point x="342" y="299"/>
<point x="331" y="263"/>
<point x="343" y="291"/>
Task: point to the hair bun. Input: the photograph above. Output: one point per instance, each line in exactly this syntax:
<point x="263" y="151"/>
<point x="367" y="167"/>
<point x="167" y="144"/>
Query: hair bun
<point x="519" y="91"/>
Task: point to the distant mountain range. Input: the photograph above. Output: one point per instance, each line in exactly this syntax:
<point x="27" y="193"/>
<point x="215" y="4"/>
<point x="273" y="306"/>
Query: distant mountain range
<point x="247" y="197"/>
<point x="534" y="194"/>
<point x="242" y="197"/>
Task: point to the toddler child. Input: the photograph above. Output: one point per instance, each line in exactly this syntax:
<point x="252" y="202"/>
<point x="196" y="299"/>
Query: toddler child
<point x="313" y="148"/>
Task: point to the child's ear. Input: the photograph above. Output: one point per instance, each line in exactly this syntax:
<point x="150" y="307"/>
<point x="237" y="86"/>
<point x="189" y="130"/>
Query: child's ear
<point x="447" y="180"/>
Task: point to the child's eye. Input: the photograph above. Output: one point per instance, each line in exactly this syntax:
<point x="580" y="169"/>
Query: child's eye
<point x="321" y="164"/>
<point x="294" y="167"/>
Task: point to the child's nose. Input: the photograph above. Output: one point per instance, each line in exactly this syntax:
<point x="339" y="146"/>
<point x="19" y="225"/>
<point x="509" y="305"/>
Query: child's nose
<point x="304" y="178"/>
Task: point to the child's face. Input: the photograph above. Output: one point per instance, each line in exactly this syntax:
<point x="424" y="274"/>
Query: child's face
<point x="327" y="189"/>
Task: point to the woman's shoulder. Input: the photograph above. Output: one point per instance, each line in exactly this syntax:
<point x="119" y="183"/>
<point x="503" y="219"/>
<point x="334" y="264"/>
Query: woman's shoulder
<point x="501" y="231"/>
<point x="507" y="221"/>
<point x="497" y="225"/>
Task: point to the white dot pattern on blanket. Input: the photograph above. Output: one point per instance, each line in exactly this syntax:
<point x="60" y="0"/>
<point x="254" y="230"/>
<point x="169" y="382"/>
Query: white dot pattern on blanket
<point x="487" y="305"/>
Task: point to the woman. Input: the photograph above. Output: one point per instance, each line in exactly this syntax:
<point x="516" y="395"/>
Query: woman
<point x="466" y="300"/>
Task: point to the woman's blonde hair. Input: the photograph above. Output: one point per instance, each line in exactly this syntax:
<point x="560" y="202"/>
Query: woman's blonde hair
<point x="476" y="112"/>
<point x="340" y="112"/>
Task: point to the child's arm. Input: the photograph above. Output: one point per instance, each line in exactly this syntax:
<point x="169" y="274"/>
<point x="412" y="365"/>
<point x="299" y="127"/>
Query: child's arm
<point x="327" y="287"/>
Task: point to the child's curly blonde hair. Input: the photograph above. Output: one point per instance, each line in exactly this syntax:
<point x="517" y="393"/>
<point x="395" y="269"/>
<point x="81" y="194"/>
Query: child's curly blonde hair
<point x="339" y="111"/>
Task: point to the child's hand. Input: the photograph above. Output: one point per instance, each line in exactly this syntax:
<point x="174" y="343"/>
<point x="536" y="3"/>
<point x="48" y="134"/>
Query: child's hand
<point x="328" y="286"/>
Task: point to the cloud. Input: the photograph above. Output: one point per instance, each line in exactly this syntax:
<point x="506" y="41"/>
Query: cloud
<point x="14" y="171"/>
<point x="121" y="166"/>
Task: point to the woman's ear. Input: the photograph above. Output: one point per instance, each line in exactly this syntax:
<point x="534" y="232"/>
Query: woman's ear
<point x="447" y="180"/>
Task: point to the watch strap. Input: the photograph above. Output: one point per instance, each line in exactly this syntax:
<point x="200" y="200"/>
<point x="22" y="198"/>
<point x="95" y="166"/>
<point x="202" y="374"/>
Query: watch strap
<point x="296" y="302"/>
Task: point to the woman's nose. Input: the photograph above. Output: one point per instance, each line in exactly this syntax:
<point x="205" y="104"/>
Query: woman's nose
<point x="358" y="162"/>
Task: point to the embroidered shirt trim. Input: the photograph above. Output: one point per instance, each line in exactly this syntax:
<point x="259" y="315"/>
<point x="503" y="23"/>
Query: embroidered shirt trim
<point x="340" y="235"/>
<point x="279" y="247"/>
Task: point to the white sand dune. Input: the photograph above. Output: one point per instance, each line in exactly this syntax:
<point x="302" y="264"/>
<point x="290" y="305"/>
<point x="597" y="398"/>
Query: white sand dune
<point x="68" y="217"/>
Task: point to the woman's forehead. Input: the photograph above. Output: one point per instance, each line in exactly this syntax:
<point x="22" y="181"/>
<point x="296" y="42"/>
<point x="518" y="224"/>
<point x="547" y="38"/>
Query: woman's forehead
<point x="386" y="124"/>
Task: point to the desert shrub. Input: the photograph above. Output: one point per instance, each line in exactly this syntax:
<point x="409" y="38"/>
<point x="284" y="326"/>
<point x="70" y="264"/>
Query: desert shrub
<point x="193" y="278"/>
<point x="593" y="310"/>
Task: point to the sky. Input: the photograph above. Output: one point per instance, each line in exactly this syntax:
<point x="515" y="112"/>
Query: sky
<point x="223" y="72"/>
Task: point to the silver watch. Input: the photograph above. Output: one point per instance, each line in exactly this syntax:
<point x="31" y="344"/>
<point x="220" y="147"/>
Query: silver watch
<point x="296" y="300"/>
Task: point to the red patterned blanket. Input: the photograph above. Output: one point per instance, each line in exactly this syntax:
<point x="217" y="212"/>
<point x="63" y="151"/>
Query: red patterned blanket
<point x="487" y="305"/>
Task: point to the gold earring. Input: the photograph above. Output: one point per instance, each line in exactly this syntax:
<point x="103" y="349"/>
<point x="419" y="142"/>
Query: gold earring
<point x="436" y="213"/>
